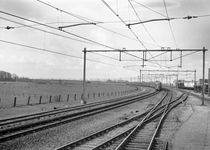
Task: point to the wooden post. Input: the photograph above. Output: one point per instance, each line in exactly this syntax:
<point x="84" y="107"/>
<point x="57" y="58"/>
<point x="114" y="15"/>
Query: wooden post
<point x="15" y="100"/>
<point x="75" y="97"/>
<point x="28" y="100"/>
<point x="50" y="98"/>
<point x="59" y="99"/>
<point x="68" y="97"/>
<point x="40" y="100"/>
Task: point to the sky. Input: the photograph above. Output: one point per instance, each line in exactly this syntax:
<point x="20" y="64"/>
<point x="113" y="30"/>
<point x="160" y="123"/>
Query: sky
<point x="107" y="30"/>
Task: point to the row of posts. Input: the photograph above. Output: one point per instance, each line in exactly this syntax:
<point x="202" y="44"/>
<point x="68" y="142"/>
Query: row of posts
<point x="75" y="96"/>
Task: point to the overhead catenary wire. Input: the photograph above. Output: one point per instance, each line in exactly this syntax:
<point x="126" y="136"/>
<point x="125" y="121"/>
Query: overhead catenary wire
<point x="23" y="26"/>
<point x="45" y="30"/>
<point x="54" y="52"/>
<point x="93" y="42"/>
<point x="86" y="19"/>
<point x="49" y="31"/>
<point x="148" y="8"/>
<point x="185" y="55"/>
<point x="128" y="28"/>
<point x="170" y="25"/>
<point x="96" y="23"/>
<point x="143" y="24"/>
<point x="78" y="36"/>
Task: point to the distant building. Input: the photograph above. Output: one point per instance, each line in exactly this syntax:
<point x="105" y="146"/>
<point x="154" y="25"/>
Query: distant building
<point x="183" y="83"/>
<point x="200" y="81"/>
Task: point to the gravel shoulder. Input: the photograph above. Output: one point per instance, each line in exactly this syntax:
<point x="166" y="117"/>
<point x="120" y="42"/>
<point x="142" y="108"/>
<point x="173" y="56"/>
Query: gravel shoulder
<point x="194" y="130"/>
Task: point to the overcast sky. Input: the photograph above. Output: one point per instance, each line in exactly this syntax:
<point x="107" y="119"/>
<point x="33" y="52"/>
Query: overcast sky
<point x="110" y="32"/>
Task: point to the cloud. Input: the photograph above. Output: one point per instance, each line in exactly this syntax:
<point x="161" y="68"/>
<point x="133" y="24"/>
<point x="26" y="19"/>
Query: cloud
<point x="160" y="4"/>
<point x="24" y="8"/>
<point x="99" y="35"/>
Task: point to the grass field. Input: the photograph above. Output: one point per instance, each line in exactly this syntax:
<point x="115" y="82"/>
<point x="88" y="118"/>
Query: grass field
<point x="31" y="93"/>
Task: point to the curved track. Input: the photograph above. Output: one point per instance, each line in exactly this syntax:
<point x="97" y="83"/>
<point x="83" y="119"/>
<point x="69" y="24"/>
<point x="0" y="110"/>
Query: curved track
<point x="126" y="135"/>
<point x="15" y="127"/>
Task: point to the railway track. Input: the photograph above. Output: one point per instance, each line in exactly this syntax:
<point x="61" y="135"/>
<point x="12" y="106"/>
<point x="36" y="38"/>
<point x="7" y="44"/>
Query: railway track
<point x="138" y="132"/>
<point x="15" y="127"/>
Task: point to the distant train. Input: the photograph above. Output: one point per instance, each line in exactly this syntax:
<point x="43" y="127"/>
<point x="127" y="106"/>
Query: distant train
<point x="180" y="84"/>
<point x="158" y="85"/>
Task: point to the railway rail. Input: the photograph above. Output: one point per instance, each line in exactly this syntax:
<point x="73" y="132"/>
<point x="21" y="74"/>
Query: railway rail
<point x="15" y="127"/>
<point x="138" y="132"/>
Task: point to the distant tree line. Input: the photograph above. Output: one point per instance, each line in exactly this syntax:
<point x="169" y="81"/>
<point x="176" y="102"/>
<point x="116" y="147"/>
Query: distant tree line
<point x="6" y="76"/>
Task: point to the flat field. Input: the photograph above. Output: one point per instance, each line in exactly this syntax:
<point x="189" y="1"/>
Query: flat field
<point x="30" y="93"/>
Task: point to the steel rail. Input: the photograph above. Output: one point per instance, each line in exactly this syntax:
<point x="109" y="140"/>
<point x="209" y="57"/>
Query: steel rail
<point x="135" y="130"/>
<point x="74" y="114"/>
<point x="60" y="120"/>
<point x="164" y="112"/>
<point x="69" y="110"/>
<point x="25" y="117"/>
<point x="104" y="131"/>
<point x="161" y="121"/>
<point x="81" y="141"/>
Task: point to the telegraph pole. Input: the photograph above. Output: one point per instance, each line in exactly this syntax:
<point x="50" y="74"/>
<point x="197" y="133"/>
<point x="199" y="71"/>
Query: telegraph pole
<point x="203" y="89"/>
<point x="140" y="76"/>
<point x="83" y="101"/>
<point x="209" y="83"/>
<point x="194" y="80"/>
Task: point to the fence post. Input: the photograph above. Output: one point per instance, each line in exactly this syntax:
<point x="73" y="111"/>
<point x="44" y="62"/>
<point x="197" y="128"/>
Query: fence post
<point x="88" y="95"/>
<point x="28" y="100"/>
<point x="50" y="98"/>
<point x="75" y="97"/>
<point x="40" y="100"/>
<point x="81" y="96"/>
<point x="15" y="100"/>
<point x="59" y="99"/>
<point x="68" y="97"/>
